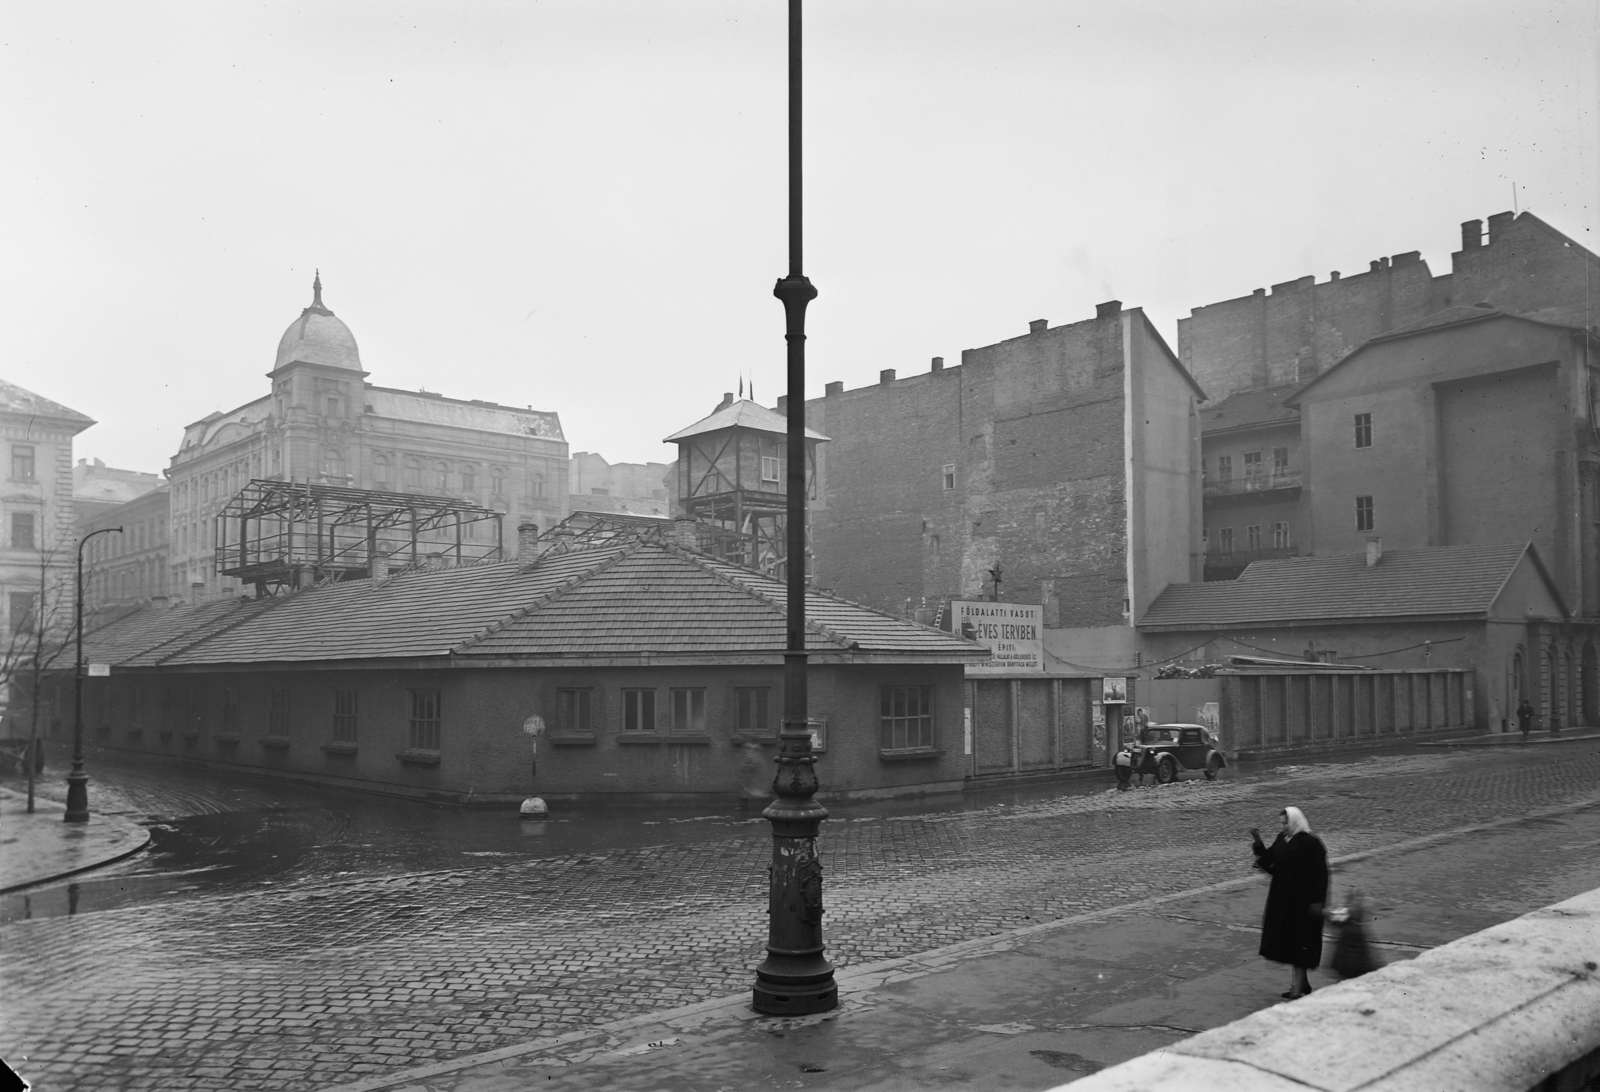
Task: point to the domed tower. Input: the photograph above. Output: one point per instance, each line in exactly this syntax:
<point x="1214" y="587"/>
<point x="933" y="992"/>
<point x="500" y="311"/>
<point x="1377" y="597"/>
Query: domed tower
<point x="317" y="395"/>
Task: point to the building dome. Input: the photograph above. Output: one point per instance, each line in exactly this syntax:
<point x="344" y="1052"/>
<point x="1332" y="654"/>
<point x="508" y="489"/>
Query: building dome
<point x="318" y="337"/>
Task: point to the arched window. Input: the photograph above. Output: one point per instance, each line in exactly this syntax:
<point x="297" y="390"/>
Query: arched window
<point x="413" y="474"/>
<point x="441" y="477"/>
<point x="536" y="486"/>
<point x="469" y="478"/>
<point x="380" y="470"/>
<point x="333" y="463"/>
<point x="497" y="480"/>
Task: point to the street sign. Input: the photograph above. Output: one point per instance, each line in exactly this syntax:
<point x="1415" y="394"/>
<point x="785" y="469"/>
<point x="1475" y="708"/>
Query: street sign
<point x="99" y="671"/>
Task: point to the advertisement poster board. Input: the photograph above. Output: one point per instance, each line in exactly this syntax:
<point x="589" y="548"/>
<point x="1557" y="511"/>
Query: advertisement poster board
<point x="1012" y="632"/>
<point x="1114" y="690"/>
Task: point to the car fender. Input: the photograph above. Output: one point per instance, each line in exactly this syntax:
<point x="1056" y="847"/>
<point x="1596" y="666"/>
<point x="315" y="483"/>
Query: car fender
<point x="1218" y="755"/>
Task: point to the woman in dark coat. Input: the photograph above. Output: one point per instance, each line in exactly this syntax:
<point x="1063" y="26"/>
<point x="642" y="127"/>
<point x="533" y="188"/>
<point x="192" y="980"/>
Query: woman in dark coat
<point x="1291" y="927"/>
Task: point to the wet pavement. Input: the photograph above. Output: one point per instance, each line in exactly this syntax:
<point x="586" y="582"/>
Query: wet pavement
<point x="278" y="937"/>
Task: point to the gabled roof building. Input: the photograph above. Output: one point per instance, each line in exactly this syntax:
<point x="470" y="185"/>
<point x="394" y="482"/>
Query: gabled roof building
<point x="629" y="668"/>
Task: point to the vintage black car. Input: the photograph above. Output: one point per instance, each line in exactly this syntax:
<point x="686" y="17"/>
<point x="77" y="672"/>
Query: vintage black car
<point x="1168" y="749"/>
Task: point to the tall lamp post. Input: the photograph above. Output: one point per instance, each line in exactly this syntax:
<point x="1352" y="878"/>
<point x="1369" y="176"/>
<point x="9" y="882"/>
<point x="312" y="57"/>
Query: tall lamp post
<point x="78" y="780"/>
<point x="795" y="978"/>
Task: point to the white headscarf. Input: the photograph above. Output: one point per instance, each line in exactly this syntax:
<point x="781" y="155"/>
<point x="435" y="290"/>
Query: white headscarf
<point x="1297" y="823"/>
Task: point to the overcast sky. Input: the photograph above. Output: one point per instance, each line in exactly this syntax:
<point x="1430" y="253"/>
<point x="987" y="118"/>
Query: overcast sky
<point x="579" y="205"/>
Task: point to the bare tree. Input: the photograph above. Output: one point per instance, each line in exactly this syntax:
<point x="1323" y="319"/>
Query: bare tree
<point x="40" y="635"/>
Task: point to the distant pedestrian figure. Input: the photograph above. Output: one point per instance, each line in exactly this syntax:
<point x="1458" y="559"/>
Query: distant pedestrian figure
<point x="1291" y="925"/>
<point x="754" y="783"/>
<point x="1525" y="719"/>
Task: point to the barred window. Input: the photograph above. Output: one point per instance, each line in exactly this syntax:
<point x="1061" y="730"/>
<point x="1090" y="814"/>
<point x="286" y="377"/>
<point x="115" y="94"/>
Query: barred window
<point x="689" y="709"/>
<point x="344" y="716"/>
<point x="425" y="720"/>
<point x="638" y="710"/>
<point x="907" y="719"/>
<point x="576" y="706"/>
<point x="752" y="702"/>
<point x="278" y="717"/>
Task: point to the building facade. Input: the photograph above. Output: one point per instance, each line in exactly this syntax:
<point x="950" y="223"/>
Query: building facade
<point x="638" y="489"/>
<point x="321" y="421"/>
<point x="1065" y="462"/>
<point x="134" y="564"/>
<point x="36" y="525"/>
<point x="98" y="488"/>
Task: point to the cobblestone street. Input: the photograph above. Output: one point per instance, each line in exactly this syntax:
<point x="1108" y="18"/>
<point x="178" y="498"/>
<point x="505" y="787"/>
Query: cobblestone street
<point x="314" y="981"/>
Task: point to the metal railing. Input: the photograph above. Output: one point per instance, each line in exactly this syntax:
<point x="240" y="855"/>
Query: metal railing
<point x="1253" y="483"/>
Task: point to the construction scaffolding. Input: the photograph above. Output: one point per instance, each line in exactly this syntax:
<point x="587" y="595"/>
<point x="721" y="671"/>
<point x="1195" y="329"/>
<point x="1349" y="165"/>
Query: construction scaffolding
<point x="278" y="535"/>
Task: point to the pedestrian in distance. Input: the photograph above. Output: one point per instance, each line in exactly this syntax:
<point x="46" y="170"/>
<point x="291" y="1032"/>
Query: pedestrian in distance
<point x="1291" y="924"/>
<point x="1525" y="718"/>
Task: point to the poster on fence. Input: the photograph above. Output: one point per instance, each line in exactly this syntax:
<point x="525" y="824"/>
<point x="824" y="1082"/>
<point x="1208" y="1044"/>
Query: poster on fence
<point x="1012" y="632"/>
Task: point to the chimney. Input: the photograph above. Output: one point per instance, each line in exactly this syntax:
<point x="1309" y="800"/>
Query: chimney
<point x="886" y="375"/>
<point x="1334" y="275"/>
<point x="1498" y="223"/>
<point x="527" y="544"/>
<point x="1374" y="551"/>
<point x="727" y="400"/>
<point x="684" y="533"/>
<point x="303" y="578"/>
<point x="836" y="387"/>
<point x="160" y="602"/>
<point x="435" y="560"/>
<point x="783" y="404"/>
<point x="1038" y="326"/>
<point x="1108" y="308"/>
<point x="938" y="363"/>
<point x="1471" y="234"/>
<point x="197" y="591"/>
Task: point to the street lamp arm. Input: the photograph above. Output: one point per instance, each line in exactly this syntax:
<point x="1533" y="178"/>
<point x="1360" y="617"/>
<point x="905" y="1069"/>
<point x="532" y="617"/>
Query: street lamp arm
<point x="78" y="780"/>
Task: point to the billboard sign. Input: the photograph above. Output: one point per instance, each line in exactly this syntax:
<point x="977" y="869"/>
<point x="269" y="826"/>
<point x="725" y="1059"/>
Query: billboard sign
<point x="1012" y="632"/>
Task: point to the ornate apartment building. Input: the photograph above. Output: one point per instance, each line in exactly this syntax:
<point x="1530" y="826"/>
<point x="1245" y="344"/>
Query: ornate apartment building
<point x="322" y="422"/>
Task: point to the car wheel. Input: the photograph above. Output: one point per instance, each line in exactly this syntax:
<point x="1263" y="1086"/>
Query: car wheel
<point x="1213" y="764"/>
<point x="1166" y="770"/>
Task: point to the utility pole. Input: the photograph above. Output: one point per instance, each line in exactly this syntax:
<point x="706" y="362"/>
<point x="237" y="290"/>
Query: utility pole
<point x="795" y="977"/>
<point x="78" y="780"/>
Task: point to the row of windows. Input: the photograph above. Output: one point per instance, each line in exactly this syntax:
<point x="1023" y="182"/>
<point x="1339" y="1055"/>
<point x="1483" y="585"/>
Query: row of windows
<point x="1253" y="467"/>
<point x="906" y="719"/>
<point x="1252" y="536"/>
<point x="439" y="477"/>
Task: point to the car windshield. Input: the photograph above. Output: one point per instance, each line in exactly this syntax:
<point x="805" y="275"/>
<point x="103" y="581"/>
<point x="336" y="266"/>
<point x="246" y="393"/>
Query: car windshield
<point x="1159" y="735"/>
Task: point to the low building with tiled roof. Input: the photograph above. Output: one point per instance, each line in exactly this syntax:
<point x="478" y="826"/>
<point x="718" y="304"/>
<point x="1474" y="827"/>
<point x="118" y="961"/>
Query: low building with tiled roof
<point x="626" y="668"/>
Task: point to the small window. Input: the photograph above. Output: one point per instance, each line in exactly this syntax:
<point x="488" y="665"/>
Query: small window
<point x="1364" y="519"/>
<point x="753" y="703"/>
<point x="22" y="462"/>
<point x="441" y="477"/>
<point x="230" y="710"/>
<point x="22" y="605"/>
<point x="332" y="408"/>
<point x="380" y="471"/>
<point x="1225" y="541"/>
<point x="1225" y="468"/>
<point x="278" y="715"/>
<point x="22" y="530"/>
<point x="424" y="720"/>
<point x="344" y="716"/>
<point x="948" y="472"/>
<point x="906" y="720"/>
<point x="1363" y="430"/>
<point x="769" y="468"/>
<point x="536" y="486"/>
<point x="1252" y="537"/>
<point x="1280" y="536"/>
<point x="689" y="709"/>
<point x="1252" y="464"/>
<point x="413" y="474"/>
<point x="497" y="480"/>
<point x="469" y="479"/>
<point x="638" y="710"/>
<point x="1280" y="461"/>
<point x="575" y="705"/>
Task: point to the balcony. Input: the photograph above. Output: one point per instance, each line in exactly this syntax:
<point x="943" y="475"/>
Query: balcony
<point x="1253" y="483"/>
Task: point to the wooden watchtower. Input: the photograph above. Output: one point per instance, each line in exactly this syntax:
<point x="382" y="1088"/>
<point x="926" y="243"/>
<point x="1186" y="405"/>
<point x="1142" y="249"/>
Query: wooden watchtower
<point x="732" y="475"/>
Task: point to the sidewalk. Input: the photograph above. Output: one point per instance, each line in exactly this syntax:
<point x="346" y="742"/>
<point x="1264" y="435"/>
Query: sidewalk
<point x="1515" y="738"/>
<point x="1044" y="1005"/>
<point x="41" y="847"/>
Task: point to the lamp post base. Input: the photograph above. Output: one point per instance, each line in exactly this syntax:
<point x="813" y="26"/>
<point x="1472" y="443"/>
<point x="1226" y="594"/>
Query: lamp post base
<point x="796" y="996"/>
<point x="77" y="795"/>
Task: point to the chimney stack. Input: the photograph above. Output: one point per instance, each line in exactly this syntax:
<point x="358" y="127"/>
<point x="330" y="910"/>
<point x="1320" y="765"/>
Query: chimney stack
<point x="1038" y="326"/>
<point x="1108" y="308"/>
<point x="527" y="544"/>
<point x="684" y="533"/>
<point x="1374" y="551"/>
<point x="435" y="560"/>
<point x="886" y="375"/>
<point x="727" y="400"/>
<point x="938" y="363"/>
<point x="836" y="387"/>
<point x="197" y="591"/>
